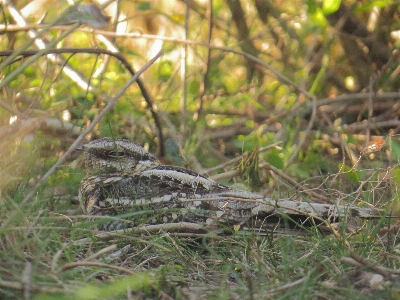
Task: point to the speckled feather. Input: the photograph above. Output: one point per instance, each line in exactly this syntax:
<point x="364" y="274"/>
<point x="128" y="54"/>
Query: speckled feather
<point x="107" y="155"/>
<point x="124" y="179"/>
<point x="136" y="181"/>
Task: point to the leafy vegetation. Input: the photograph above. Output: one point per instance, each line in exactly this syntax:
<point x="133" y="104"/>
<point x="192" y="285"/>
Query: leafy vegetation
<point x="318" y="80"/>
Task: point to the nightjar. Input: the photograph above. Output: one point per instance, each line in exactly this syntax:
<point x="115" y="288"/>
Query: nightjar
<point x="127" y="183"/>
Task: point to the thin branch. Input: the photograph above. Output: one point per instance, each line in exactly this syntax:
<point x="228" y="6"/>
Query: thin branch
<point x="94" y="264"/>
<point x="353" y="98"/>
<point x="62" y="159"/>
<point x="146" y="94"/>
<point x="27" y="280"/>
<point x="101" y="252"/>
<point x="206" y="66"/>
<point x="39" y="53"/>
<point x="246" y="44"/>
<point x="360" y="126"/>
<point x="306" y="132"/>
<point x="183" y="69"/>
<point x="41" y="43"/>
<point x="370" y="113"/>
<point x="166" y="227"/>
<point x="284" y="287"/>
<point x="11" y="110"/>
<point x="29" y="43"/>
<point x="189" y="42"/>
<point x="23" y="127"/>
<point x="295" y="183"/>
<point x="237" y="159"/>
<point x="15" y="285"/>
<point x="226" y="175"/>
<point x="360" y="261"/>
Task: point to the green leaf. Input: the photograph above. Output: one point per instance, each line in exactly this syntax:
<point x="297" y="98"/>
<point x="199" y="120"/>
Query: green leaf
<point x="117" y="287"/>
<point x="396" y="176"/>
<point x="194" y="87"/>
<point x="165" y="70"/>
<point x="30" y="72"/>
<point x="144" y="5"/>
<point x="173" y="151"/>
<point x="274" y="158"/>
<point x="396" y="149"/>
<point x="366" y="7"/>
<point x="319" y="18"/>
<point x="347" y="173"/>
<point x="330" y="6"/>
<point x="311" y="6"/>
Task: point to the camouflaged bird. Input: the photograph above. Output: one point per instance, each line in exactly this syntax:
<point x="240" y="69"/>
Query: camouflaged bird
<point x="125" y="180"/>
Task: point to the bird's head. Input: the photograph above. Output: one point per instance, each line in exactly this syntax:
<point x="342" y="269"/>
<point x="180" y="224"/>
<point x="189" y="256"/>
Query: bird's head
<point x="107" y="155"/>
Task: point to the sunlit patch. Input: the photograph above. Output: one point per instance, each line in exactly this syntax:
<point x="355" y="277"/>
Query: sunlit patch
<point x="212" y="122"/>
<point x="350" y="82"/>
<point x="395" y="34"/>
<point x="333" y="151"/>
<point x="13" y="119"/>
<point x="297" y="25"/>
<point x="265" y="46"/>
<point x="66" y="115"/>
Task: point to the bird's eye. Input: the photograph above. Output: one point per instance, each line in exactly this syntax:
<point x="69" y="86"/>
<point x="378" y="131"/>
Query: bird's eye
<point x="115" y="154"/>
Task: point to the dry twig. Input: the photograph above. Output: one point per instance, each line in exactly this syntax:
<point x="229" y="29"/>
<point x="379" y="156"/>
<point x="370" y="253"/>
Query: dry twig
<point x="110" y="105"/>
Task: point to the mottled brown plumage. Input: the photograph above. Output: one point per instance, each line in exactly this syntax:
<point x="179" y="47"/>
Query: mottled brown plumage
<point x="124" y="178"/>
<point x="107" y="155"/>
<point x="129" y="184"/>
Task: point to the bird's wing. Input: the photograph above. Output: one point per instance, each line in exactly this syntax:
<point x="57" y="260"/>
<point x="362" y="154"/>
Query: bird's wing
<point x="177" y="188"/>
<point x="169" y="187"/>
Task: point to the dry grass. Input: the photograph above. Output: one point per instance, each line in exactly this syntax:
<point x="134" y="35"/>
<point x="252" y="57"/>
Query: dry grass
<point x="342" y="149"/>
<point x="51" y="252"/>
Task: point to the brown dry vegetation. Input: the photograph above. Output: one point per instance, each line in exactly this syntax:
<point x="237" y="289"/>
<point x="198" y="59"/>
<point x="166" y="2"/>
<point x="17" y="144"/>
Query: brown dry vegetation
<point x="320" y="81"/>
